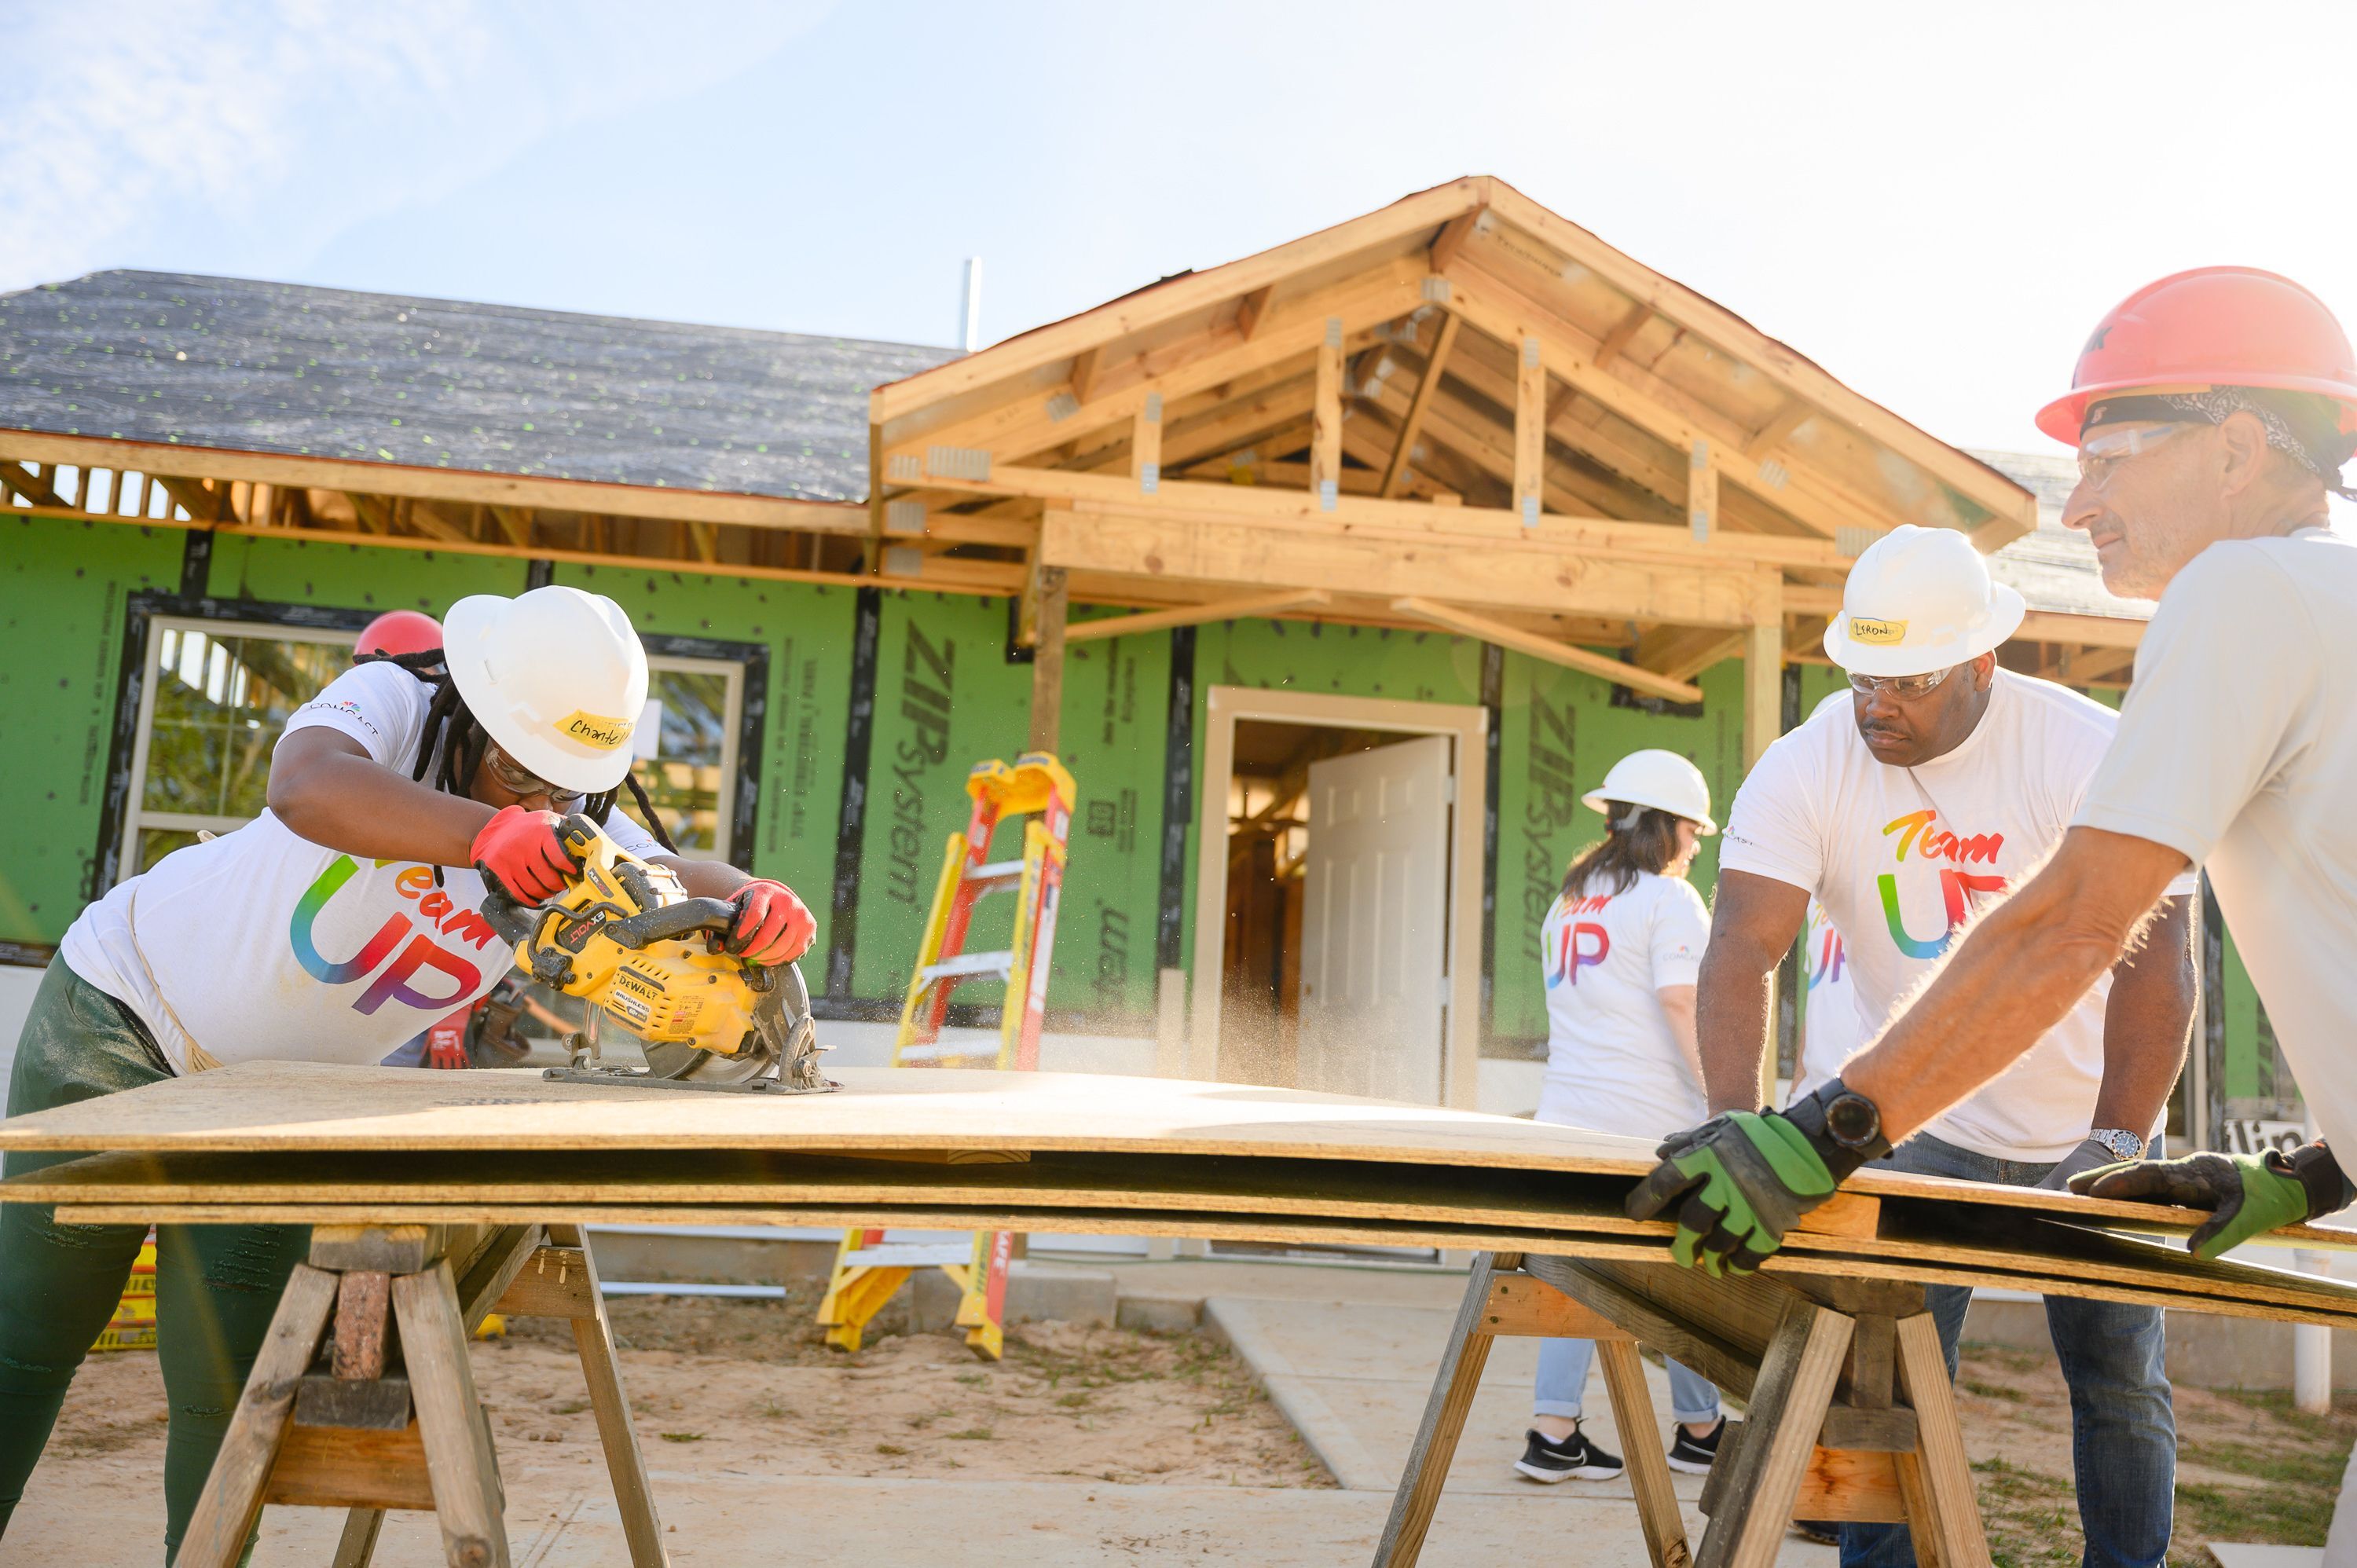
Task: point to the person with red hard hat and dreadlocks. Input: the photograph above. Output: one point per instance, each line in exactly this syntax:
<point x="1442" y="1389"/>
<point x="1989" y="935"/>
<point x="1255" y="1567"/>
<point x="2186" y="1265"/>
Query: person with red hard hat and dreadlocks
<point x="2213" y="412"/>
<point x="333" y="927"/>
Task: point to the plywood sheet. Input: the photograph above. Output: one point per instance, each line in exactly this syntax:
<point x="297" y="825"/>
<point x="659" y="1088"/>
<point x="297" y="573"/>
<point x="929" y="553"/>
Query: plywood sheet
<point x="256" y="1107"/>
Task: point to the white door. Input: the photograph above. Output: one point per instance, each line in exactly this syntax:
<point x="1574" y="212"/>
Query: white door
<point x="1375" y="922"/>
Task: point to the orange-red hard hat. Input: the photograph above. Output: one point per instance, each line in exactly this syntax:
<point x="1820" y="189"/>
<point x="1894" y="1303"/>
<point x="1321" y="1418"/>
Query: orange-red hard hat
<point x="401" y="631"/>
<point x="2214" y="326"/>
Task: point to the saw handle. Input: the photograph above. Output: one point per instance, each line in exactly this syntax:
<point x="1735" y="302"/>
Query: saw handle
<point x="672" y="921"/>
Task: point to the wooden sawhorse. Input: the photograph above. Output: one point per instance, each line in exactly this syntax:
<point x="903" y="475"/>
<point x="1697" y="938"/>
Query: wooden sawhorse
<point x="1848" y="1414"/>
<point x="362" y="1397"/>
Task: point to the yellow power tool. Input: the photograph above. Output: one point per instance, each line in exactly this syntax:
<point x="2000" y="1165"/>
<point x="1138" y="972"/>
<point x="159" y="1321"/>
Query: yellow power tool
<point x="627" y="940"/>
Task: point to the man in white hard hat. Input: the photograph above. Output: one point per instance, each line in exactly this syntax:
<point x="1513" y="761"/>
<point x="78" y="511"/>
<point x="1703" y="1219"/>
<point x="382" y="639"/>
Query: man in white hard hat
<point x="1944" y="779"/>
<point x="2213" y="412"/>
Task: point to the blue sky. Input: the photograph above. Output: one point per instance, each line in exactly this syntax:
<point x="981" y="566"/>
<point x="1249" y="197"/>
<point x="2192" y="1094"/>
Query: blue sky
<point x="1934" y="203"/>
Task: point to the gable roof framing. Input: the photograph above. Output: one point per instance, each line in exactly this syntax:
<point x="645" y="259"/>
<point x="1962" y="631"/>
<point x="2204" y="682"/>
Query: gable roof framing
<point x="1651" y="428"/>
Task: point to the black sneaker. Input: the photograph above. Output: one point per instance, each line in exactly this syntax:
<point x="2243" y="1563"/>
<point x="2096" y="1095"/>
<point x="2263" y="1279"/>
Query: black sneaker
<point x="1573" y="1459"/>
<point x="1823" y="1532"/>
<point x="1694" y="1454"/>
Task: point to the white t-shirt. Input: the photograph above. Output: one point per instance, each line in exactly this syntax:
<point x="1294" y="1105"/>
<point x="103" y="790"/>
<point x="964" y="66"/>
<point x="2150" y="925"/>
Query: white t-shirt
<point x="1901" y="856"/>
<point x="1830" y="1031"/>
<point x="1613" y="1064"/>
<point x="263" y="945"/>
<point x="2237" y="748"/>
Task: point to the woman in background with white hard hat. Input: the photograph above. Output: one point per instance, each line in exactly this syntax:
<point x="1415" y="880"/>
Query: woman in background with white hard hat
<point x="329" y="928"/>
<point x="1620" y="951"/>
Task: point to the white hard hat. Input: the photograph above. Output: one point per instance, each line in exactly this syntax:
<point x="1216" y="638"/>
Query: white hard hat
<point x="1920" y="599"/>
<point x="555" y="676"/>
<point x="1654" y="777"/>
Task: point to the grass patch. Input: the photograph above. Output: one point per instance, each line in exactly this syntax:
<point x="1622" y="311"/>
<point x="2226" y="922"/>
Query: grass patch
<point x="974" y="1434"/>
<point x="890" y="1450"/>
<point x="1991" y="1390"/>
<point x="682" y="1437"/>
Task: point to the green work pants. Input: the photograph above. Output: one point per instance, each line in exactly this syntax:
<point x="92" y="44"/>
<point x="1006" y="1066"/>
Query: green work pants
<point x="216" y="1285"/>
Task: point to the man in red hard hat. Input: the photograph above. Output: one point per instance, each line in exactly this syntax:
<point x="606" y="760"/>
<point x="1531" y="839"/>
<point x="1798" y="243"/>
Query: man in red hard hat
<point x="2213" y="412"/>
<point x="399" y="631"/>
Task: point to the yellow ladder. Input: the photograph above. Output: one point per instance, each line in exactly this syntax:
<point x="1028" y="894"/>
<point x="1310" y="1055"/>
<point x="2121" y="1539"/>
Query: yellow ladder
<point x="1039" y="792"/>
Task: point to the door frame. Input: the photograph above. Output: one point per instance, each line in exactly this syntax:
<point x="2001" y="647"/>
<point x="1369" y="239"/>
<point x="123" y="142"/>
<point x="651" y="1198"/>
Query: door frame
<point x="1469" y="724"/>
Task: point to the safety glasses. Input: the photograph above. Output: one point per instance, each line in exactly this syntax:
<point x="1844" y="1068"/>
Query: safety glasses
<point x="2101" y="452"/>
<point x="1900" y="688"/>
<point x="518" y="781"/>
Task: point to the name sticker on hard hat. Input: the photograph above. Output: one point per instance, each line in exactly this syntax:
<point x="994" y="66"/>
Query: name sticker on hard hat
<point x="595" y="729"/>
<point x="1876" y="633"/>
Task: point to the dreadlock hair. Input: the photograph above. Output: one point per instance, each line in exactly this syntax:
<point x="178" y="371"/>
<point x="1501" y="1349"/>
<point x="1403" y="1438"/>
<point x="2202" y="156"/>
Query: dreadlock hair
<point x="1636" y="838"/>
<point x="452" y="729"/>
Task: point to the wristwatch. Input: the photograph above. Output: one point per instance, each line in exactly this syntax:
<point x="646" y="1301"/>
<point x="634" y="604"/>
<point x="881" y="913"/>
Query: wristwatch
<point x="2122" y="1143"/>
<point x="1844" y="1118"/>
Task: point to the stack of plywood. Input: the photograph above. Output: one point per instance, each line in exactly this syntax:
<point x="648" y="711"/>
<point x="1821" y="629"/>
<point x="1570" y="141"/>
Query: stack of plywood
<point x="1040" y="1152"/>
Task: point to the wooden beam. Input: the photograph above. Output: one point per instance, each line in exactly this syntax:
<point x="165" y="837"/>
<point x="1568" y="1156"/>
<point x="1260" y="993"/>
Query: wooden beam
<point x="1250" y="607"/>
<point x="1407" y="522"/>
<point x="426" y="519"/>
<point x="1683" y="653"/>
<point x="2038" y="626"/>
<point x="1146" y="446"/>
<point x="1412" y="424"/>
<point x="1217" y="354"/>
<point x="1777" y="431"/>
<point x="1251" y="310"/>
<point x="1530" y="429"/>
<point x="442" y="484"/>
<point x="1326" y="420"/>
<point x="33" y="487"/>
<point x="1722" y="328"/>
<point x="515" y="523"/>
<point x="1133" y="313"/>
<point x="1047" y="662"/>
<point x="1452" y="237"/>
<point x="1140" y="542"/>
<point x="1624" y="331"/>
<point x="1701" y="492"/>
<point x="1489" y="630"/>
<point x="202" y="502"/>
<point x="1084" y="371"/>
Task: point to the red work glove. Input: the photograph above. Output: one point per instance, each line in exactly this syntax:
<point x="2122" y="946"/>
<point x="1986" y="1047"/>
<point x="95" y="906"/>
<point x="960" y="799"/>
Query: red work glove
<point x="445" y="1042"/>
<point x="773" y="925"/>
<point x="521" y="851"/>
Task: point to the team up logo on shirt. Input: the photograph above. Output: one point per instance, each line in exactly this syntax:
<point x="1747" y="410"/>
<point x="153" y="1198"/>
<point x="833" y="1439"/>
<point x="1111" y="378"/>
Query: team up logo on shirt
<point x="434" y="908"/>
<point x="1832" y="958"/>
<point x="1577" y="944"/>
<point x="1957" y="887"/>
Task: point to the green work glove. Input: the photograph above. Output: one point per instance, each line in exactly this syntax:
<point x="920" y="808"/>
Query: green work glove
<point x="1744" y="1178"/>
<point x="2246" y="1195"/>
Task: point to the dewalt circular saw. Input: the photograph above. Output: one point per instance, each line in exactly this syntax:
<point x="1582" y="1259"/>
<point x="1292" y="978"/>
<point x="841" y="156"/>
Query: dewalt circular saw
<point x="626" y="938"/>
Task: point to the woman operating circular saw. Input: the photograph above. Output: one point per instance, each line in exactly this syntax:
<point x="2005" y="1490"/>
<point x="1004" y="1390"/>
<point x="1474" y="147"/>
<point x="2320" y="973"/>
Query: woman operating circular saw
<point x="334" y="926"/>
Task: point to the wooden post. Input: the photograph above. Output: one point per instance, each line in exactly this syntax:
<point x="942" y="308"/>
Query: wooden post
<point x="593" y="1336"/>
<point x="231" y="1501"/>
<point x="1396" y="471"/>
<point x="1146" y="446"/>
<point x="467" y="1504"/>
<point x="1702" y="492"/>
<point x="1530" y="431"/>
<point x="1649" y="1467"/>
<point x="1763" y="668"/>
<point x="1787" y="1407"/>
<point x="1461" y="1360"/>
<point x="1936" y="1479"/>
<point x="1047" y="662"/>
<point x="1326" y="419"/>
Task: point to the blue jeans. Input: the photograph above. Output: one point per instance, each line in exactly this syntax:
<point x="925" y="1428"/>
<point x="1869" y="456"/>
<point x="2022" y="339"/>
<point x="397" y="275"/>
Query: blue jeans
<point x="1563" y="1377"/>
<point x="2123" y="1428"/>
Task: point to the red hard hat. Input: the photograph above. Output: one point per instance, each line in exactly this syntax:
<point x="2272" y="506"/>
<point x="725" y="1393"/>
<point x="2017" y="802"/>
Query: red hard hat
<point x="2214" y="326"/>
<point x="399" y="631"/>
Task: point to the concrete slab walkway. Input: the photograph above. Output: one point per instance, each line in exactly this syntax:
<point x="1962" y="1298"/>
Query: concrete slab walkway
<point x="565" y="1518"/>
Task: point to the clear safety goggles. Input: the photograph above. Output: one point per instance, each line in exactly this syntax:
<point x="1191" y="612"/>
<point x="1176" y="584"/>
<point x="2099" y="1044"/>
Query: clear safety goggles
<point x="2101" y="452"/>
<point x="516" y="779"/>
<point x="1901" y="688"/>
